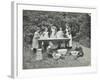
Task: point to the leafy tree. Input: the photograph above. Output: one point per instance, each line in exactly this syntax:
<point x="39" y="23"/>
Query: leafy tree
<point x="80" y="23"/>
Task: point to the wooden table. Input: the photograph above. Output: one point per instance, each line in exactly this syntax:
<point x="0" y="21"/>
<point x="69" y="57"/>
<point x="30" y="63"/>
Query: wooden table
<point x="56" y="40"/>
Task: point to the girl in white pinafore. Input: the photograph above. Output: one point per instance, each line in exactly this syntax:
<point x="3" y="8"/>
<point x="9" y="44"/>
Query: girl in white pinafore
<point x="67" y="31"/>
<point x="53" y="32"/>
<point x="68" y="35"/>
<point x="45" y="34"/>
<point x="60" y="33"/>
<point x="35" y="40"/>
<point x="53" y="36"/>
<point x="70" y="41"/>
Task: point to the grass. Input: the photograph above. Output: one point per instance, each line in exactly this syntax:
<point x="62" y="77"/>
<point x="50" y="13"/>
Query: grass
<point x="29" y="61"/>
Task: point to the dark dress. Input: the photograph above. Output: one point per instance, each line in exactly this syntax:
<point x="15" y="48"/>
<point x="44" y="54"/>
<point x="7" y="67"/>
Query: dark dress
<point x="80" y="50"/>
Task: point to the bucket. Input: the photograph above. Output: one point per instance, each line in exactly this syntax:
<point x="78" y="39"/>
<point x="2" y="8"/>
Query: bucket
<point x="39" y="55"/>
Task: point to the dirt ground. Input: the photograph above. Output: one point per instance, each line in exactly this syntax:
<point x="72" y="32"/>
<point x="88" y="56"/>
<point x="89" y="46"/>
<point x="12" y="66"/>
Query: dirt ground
<point x="29" y="61"/>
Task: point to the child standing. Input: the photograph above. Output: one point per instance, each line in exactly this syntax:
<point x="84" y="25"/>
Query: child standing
<point x="60" y="35"/>
<point x="68" y="35"/>
<point x="35" y="40"/>
<point x="70" y="41"/>
<point x="66" y="30"/>
<point x="45" y="36"/>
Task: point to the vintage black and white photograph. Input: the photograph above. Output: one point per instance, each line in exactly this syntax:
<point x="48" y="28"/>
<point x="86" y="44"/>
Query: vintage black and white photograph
<point x="55" y="39"/>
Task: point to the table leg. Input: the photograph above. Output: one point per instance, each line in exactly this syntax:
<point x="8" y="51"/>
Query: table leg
<point x="59" y="44"/>
<point x="40" y="44"/>
<point x="66" y="44"/>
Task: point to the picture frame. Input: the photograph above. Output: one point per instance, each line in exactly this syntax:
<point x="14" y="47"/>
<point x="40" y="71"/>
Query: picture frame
<point x="17" y="70"/>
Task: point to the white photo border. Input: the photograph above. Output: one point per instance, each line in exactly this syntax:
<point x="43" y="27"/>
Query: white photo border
<point x="17" y="53"/>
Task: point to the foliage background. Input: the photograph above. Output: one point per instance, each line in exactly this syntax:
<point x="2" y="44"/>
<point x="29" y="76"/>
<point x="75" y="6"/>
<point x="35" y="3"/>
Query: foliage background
<point x="80" y="24"/>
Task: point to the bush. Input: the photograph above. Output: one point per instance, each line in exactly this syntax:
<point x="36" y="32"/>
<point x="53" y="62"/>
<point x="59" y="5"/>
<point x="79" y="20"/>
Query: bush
<point x="80" y="23"/>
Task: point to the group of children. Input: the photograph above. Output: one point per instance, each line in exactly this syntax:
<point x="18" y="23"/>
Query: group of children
<point x="51" y="47"/>
<point x="53" y="34"/>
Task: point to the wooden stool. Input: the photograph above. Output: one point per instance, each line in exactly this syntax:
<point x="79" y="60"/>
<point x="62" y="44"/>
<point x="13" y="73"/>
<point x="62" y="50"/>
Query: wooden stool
<point x="39" y="55"/>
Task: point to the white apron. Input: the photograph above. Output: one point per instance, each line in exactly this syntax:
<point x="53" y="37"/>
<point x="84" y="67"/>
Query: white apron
<point x="35" y="40"/>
